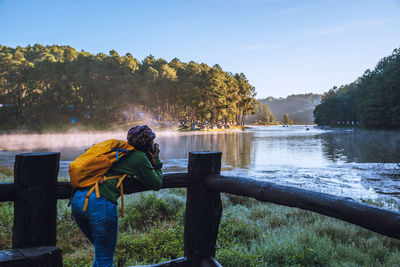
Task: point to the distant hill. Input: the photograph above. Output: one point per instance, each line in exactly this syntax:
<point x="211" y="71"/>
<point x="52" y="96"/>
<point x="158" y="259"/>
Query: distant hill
<point x="299" y="107"/>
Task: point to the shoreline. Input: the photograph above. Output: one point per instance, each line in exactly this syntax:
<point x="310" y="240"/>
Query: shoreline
<point x="125" y="127"/>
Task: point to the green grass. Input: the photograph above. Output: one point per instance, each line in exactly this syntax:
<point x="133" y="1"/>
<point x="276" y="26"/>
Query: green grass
<point x="251" y="233"/>
<point x="282" y="236"/>
<point x="6" y="175"/>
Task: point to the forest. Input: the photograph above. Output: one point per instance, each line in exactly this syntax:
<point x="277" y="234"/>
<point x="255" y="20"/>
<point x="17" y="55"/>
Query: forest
<point x="57" y="85"/>
<point x="372" y="101"/>
<point x="262" y="115"/>
<point x="298" y="108"/>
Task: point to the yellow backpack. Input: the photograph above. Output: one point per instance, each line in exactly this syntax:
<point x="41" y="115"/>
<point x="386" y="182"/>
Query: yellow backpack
<point x="88" y="169"/>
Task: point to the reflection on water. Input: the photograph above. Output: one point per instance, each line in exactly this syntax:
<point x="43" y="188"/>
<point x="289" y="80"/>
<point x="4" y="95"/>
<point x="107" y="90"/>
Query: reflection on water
<point x="362" y="146"/>
<point x="358" y="164"/>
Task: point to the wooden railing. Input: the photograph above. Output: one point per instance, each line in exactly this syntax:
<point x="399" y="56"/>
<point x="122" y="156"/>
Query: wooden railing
<point x="35" y="192"/>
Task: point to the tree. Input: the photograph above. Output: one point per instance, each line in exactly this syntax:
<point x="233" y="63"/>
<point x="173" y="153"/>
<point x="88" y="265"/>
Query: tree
<point x="49" y="85"/>
<point x="299" y="107"/>
<point x="286" y="119"/>
<point x="372" y="101"/>
<point x="262" y="115"/>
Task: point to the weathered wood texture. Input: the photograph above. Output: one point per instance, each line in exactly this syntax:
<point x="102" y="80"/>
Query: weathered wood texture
<point x="173" y="180"/>
<point x="180" y="262"/>
<point x="48" y="256"/>
<point x="35" y="204"/>
<point x="376" y="219"/>
<point x="209" y="262"/>
<point x="185" y="262"/>
<point x="7" y="192"/>
<point x="203" y="210"/>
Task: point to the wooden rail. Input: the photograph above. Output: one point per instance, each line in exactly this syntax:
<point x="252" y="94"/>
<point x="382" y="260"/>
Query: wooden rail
<point x="64" y="190"/>
<point x="35" y="192"/>
<point x="376" y="219"/>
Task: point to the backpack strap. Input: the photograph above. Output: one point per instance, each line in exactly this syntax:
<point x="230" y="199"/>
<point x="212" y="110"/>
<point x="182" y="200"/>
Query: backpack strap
<point x="95" y="188"/>
<point x="116" y="149"/>
<point x="122" y="193"/>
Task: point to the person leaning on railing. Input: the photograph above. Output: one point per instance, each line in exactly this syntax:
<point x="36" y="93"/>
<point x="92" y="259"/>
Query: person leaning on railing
<point x="100" y="222"/>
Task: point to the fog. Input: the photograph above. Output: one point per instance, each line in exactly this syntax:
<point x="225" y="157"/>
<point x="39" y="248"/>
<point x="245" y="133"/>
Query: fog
<point x="74" y="138"/>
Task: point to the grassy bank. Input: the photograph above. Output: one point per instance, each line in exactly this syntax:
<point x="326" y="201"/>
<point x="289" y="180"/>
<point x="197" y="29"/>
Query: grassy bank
<point x="251" y="234"/>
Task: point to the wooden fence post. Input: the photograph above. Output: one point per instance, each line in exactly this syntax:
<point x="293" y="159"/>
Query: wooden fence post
<point x="203" y="210"/>
<point x="49" y="256"/>
<point x="35" y="205"/>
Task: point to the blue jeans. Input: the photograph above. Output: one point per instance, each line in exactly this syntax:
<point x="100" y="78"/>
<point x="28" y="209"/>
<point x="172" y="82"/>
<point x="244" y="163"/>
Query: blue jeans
<point x="99" y="223"/>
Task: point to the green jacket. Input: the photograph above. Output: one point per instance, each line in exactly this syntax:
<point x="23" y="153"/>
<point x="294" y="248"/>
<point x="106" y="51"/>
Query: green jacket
<point x="137" y="164"/>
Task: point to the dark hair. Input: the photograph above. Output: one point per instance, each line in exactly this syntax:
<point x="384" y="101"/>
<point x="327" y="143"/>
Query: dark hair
<point x="145" y="148"/>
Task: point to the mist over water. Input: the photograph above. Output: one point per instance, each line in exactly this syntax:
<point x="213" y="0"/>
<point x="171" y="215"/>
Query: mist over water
<point x="357" y="164"/>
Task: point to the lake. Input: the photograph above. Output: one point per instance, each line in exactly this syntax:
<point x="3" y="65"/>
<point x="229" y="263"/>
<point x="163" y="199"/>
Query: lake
<point x="353" y="163"/>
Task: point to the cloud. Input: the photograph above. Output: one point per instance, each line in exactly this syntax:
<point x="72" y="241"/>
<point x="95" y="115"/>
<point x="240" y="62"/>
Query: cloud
<point x="349" y="27"/>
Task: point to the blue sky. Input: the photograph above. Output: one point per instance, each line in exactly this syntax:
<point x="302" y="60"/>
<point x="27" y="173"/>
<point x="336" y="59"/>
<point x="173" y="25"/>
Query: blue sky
<point x="283" y="46"/>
